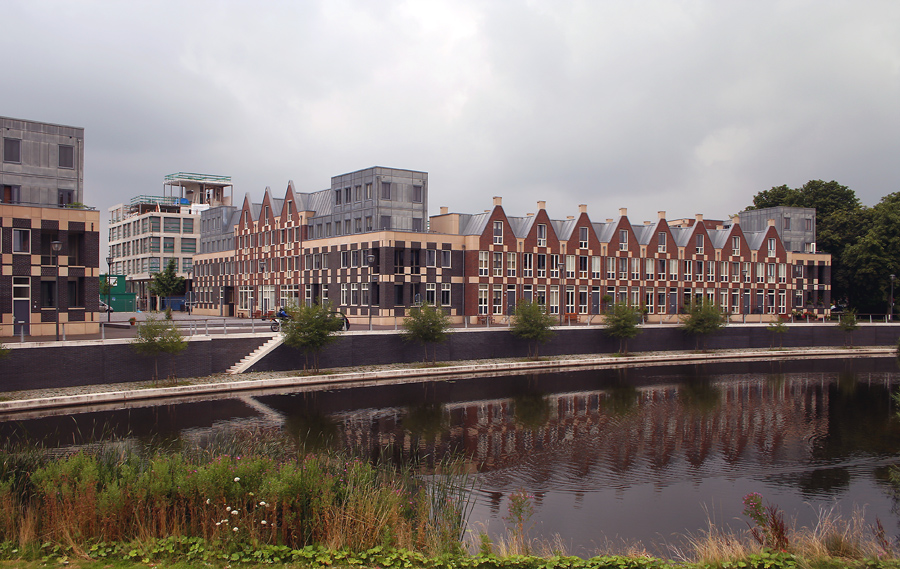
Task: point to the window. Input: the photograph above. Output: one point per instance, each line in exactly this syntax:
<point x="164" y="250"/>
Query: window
<point x="337" y="197"/>
<point x="596" y="267"/>
<point x="369" y="223"/>
<point x="782" y="273"/>
<point x="527" y="264"/>
<point x="430" y="257"/>
<point x="483" y="260"/>
<point x="385" y="190"/>
<point x="688" y="270"/>
<point x="510" y="264"/>
<point x="445" y="294"/>
<point x="483" y="299"/>
<point x="369" y="191"/>
<point x="582" y="267"/>
<point x="760" y="273"/>
<point x="787" y="223"/>
<point x="187" y="226"/>
<point x="623" y="268"/>
<point x="48" y="294"/>
<point x="570" y="266"/>
<point x="154" y="224"/>
<point x="417" y="194"/>
<point x="385" y="222"/>
<point x="808" y="224"/>
<point x="649" y="265"/>
<point x="541" y="235"/>
<point x="635" y="269"/>
<point x="345" y="259"/>
<point x="357" y="193"/>
<point x="66" y="156"/>
<point x="168" y="244"/>
<point x="661" y="242"/>
<point x="735" y="245"/>
<point x="11" y="194"/>
<point x="344" y="296"/>
<point x="735" y="272"/>
<point x="498" y="233"/>
<point x="610" y="267"/>
<point x="554" y="266"/>
<point x="699" y="244"/>
<point x="12" y="150"/>
<point x="541" y="266"/>
<point x="771" y="246"/>
<point x="21" y="241"/>
<point x="171" y="225"/>
<point x="623" y="240"/>
<point x="497" y="299"/>
<point x="188" y="245"/>
<point x="583" y="237"/>
<point x="431" y="293"/>
<point x="417" y="224"/>
<point x="445" y="258"/>
<point x="154" y="244"/>
<point x="348" y="198"/>
<point x="354" y="294"/>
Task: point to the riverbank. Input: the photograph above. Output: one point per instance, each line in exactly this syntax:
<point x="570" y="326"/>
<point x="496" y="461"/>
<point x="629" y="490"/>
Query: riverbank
<point x="13" y="402"/>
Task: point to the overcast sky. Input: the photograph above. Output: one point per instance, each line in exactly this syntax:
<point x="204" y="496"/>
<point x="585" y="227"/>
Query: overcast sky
<point x="683" y="106"/>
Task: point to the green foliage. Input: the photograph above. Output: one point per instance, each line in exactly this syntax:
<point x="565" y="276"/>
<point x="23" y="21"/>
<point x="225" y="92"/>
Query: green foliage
<point x="702" y="319"/>
<point x="778" y="328"/>
<point x="531" y="323"/>
<point x="770" y="529"/>
<point x="167" y="283"/>
<point x="4" y="351"/>
<point x="848" y="324"/>
<point x="622" y="321"/>
<point x="310" y="329"/>
<point x="155" y="336"/>
<point x="875" y="255"/>
<point x="426" y="325"/>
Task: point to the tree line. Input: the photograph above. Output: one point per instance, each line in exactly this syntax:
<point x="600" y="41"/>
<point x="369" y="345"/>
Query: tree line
<point x="864" y="242"/>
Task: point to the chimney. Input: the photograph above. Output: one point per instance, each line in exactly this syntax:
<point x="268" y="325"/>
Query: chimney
<point x="648" y="222"/>
<point x="582" y="208"/>
<point x="661" y="214"/>
<point x="445" y="210"/>
<point x="699" y="217"/>
<point x="497" y="200"/>
<point x="487" y="211"/>
<point x="570" y="217"/>
<point x="609" y="220"/>
<point x="542" y="204"/>
<point x="529" y="215"/>
<point x="720" y="226"/>
<point x="736" y="219"/>
<point x="770" y="222"/>
<point x="623" y="211"/>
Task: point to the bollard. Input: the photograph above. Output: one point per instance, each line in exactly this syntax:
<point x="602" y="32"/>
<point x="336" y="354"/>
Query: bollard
<point x="21" y="331"/>
<point x="207" y="326"/>
<point x="102" y="332"/>
<point x="252" y="326"/>
<point x="224" y="326"/>
<point x="64" y="331"/>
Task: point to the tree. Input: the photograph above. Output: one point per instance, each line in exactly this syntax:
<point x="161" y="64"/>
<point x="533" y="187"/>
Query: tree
<point x="622" y="322"/>
<point x="778" y="328"/>
<point x="311" y="328"/>
<point x="155" y="336"/>
<point x="167" y="283"/>
<point x="702" y="319"/>
<point x="849" y="324"/>
<point x="531" y="323"/>
<point x="427" y="325"/>
<point x="875" y="256"/>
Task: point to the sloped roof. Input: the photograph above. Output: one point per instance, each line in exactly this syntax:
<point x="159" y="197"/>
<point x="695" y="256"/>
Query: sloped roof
<point x="521" y="226"/>
<point x="563" y="228"/>
<point x="755" y="238"/>
<point x="473" y="224"/>
<point x="604" y="230"/>
<point x="682" y="235"/>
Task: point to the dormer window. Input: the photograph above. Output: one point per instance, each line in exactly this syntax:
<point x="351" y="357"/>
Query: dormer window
<point x="623" y="240"/>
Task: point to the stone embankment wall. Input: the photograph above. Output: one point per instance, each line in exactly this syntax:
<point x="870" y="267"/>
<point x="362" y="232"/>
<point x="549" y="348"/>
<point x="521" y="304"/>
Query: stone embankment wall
<point x="84" y="363"/>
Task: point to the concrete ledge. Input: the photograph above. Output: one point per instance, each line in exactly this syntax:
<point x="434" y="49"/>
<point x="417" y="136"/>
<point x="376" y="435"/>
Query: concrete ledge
<point x="491" y="368"/>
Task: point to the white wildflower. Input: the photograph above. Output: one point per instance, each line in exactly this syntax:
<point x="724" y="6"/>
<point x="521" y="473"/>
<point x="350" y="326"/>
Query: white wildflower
<point x="237" y="479"/>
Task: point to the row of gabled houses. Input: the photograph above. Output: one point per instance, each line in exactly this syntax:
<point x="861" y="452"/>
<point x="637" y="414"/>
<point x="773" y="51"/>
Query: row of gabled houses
<point x="368" y="247"/>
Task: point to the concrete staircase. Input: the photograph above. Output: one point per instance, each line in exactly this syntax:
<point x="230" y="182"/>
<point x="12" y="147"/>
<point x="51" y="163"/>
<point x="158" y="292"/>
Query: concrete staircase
<point x="256" y="355"/>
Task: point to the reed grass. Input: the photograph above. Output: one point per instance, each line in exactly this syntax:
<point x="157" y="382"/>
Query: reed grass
<point x="251" y="488"/>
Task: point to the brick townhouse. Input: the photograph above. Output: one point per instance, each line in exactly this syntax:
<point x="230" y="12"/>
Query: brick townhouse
<point x="364" y="246"/>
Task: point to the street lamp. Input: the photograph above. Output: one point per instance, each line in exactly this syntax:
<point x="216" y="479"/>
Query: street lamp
<point x="891" y="315"/>
<point x="109" y="261"/>
<point x="370" y="260"/>
<point x="55" y="248"/>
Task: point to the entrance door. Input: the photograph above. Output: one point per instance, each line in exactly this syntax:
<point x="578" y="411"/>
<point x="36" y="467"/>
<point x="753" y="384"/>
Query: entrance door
<point x="21" y="314"/>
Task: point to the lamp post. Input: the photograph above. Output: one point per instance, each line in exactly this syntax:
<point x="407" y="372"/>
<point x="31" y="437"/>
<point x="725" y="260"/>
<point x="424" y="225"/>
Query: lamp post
<point x="109" y="261"/>
<point x="55" y="248"/>
<point x="891" y="315"/>
<point x="370" y="260"/>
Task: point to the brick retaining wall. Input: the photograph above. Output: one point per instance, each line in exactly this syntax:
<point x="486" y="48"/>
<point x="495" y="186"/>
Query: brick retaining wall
<point x="74" y="364"/>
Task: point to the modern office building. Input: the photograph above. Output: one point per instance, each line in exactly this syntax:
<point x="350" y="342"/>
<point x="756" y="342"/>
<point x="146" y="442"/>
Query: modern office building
<point x="150" y="230"/>
<point x="49" y="240"/>
<point x="308" y="247"/>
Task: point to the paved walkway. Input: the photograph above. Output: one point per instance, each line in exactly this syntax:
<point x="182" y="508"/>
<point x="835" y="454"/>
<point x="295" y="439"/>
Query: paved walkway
<point x="14" y="404"/>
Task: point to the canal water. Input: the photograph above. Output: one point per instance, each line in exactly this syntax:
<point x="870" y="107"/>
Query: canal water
<point x="610" y="458"/>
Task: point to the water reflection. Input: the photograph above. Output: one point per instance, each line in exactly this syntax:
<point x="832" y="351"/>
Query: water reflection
<point x="634" y="452"/>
